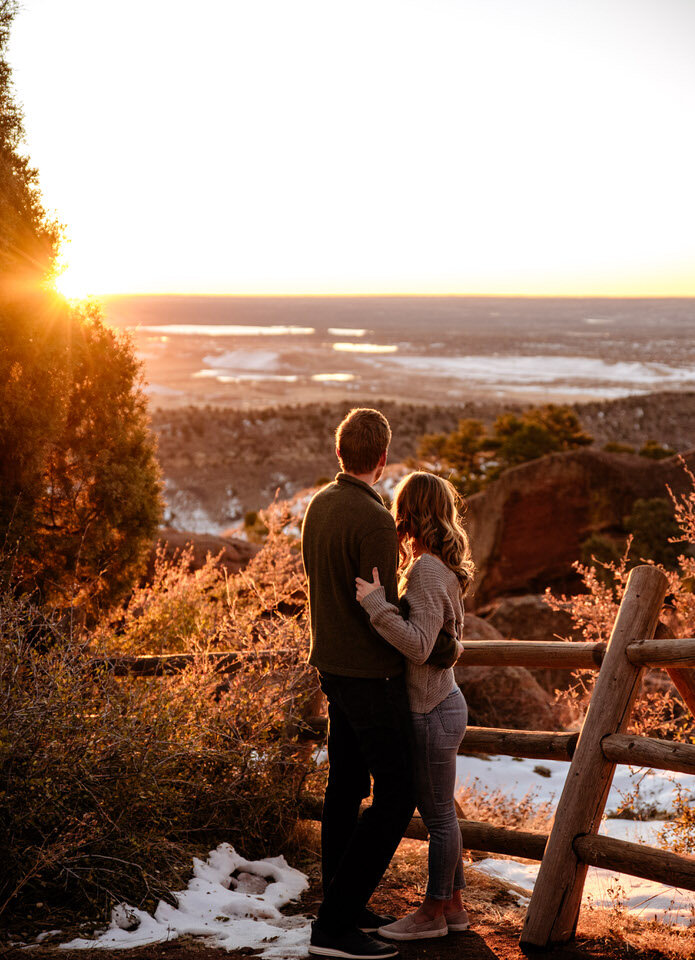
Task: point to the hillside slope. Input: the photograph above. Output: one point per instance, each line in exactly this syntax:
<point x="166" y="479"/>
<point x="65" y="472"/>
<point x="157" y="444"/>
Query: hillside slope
<point x="219" y="463"/>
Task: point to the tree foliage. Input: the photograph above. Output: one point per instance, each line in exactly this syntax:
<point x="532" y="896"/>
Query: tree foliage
<point x="471" y="457"/>
<point x="79" y="485"/>
<point x="649" y="532"/>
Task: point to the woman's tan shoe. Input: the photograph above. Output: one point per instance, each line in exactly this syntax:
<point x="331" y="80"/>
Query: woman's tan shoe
<point x="458" y="921"/>
<point x="409" y="929"/>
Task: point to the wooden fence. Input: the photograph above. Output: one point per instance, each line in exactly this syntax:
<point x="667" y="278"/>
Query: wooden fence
<point x="573" y="843"/>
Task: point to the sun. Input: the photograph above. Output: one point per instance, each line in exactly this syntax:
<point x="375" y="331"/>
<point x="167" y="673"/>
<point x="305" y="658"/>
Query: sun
<point x="73" y="284"/>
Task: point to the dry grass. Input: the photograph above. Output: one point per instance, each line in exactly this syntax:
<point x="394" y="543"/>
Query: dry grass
<point x="650" y="938"/>
<point x="496" y="807"/>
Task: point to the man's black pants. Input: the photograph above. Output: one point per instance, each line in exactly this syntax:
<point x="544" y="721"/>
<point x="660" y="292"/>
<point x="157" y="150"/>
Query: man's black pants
<point x="369" y="733"/>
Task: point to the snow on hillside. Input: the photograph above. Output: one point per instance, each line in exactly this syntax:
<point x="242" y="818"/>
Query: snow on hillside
<point x="651" y="789"/>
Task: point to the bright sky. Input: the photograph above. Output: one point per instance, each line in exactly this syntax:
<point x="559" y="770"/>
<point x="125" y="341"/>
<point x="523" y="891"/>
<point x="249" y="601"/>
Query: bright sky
<point x="366" y="146"/>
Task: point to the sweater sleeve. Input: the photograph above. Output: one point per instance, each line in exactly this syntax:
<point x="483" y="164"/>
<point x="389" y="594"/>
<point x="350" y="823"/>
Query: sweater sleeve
<point x="426" y="595"/>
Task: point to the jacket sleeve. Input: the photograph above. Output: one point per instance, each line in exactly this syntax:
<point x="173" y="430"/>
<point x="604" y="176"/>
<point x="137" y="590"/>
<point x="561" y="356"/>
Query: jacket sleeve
<point x="446" y="650"/>
<point x="380" y="549"/>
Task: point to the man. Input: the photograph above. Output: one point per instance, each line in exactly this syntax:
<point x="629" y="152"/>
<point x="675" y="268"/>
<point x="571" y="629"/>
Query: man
<point x="348" y="531"/>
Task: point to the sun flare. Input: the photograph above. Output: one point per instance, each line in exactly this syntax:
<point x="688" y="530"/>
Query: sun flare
<point x="73" y="284"/>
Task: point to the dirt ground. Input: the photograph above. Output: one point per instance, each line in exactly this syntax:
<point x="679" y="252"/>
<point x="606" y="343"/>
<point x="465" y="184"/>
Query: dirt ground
<point x="494" y="908"/>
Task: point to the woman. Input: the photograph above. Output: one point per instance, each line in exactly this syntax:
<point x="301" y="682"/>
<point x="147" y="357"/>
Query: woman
<point x="436" y="570"/>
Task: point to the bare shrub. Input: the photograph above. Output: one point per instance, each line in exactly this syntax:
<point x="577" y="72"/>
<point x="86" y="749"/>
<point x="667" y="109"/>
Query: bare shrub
<point x="184" y="610"/>
<point x="495" y="806"/>
<point x="107" y="785"/>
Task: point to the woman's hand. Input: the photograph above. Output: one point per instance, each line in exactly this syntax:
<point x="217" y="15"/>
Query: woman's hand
<point x="364" y="587"/>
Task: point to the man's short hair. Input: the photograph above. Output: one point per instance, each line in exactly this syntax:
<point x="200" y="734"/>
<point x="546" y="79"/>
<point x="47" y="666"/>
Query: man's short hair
<point x="361" y="440"/>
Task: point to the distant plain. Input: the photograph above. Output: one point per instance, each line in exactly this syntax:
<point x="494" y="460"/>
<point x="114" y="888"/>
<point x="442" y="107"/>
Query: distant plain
<point x="250" y="352"/>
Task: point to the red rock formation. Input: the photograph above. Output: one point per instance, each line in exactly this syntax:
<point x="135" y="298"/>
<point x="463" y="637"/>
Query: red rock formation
<point x="527" y="527"/>
<point x="529" y="617"/>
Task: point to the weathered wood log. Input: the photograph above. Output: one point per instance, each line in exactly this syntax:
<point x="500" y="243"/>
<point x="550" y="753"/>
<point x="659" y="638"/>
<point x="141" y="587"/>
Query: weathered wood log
<point x="554" y="908"/>
<point x="168" y="663"/>
<point x="557" y="654"/>
<point x="637" y="859"/>
<point x="484" y="837"/>
<point x="649" y="752"/>
<point x="662" y="653"/>
<point x="534" y="745"/>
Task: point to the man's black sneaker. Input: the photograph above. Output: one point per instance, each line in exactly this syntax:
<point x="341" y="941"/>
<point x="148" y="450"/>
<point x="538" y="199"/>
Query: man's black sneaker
<point x="369" y="922"/>
<point x="351" y="944"/>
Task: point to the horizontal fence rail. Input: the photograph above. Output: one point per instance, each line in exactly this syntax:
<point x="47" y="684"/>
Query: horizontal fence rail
<point x="649" y="752"/>
<point x="636" y="859"/>
<point x="558" y="654"/>
<point x="555" y="654"/>
<point x="662" y="653"/>
<point x="536" y="654"/>
<point x="595" y="850"/>
<point x="529" y="744"/>
<point x="475" y="835"/>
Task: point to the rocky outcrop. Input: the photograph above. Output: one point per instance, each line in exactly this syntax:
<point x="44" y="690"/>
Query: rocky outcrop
<point x="508" y="697"/>
<point x="528" y="526"/>
<point x="234" y="553"/>
<point x="530" y="618"/>
<point x="505" y="696"/>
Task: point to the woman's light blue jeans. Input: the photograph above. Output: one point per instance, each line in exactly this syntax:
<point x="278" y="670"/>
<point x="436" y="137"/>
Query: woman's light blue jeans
<point x="437" y="738"/>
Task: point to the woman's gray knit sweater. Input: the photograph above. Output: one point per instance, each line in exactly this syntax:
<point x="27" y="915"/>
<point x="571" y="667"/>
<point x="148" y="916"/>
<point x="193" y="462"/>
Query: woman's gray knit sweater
<point x="434" y="598"/>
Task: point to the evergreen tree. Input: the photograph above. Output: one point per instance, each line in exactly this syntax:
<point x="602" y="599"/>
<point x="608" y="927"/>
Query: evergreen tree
<point x="470" y="457"/>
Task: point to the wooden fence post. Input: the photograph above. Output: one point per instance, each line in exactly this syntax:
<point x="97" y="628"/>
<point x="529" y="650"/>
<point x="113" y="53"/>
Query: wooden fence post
<point x="554" y="908"/>
<point x="685" y="684"/>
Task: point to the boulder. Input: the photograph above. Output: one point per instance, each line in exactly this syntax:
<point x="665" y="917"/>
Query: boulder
<point x="475" y="628"/>
<point x="529" y="617"/>
<point x="527" y="527"/>
<point x="504" y="696"/>
<point x="234" y="553"/>
<point x="508" y="697"/>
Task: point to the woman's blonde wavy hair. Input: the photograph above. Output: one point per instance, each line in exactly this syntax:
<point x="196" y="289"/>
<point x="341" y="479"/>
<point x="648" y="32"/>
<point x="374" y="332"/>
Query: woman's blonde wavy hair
<point x="426" y="507"/>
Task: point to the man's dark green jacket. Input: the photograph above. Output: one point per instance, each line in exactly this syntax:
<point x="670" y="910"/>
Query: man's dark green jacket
<point x="348" y="531"/>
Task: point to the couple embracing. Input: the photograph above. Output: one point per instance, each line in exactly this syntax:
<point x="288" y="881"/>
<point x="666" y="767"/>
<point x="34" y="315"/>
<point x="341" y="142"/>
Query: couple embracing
<point x="384" y="651"/>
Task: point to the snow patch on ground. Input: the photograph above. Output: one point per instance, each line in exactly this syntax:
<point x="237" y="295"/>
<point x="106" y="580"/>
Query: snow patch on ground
<point x="519" y="370"/>
<point x="231" y="901"/>
<point x="183" y="511"/>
